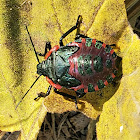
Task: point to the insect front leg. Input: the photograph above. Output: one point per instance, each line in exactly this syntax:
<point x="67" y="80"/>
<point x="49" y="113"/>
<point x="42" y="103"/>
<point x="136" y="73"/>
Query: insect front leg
<point x="79" y="20"/>
<point x="47" y="47"/>
<point x="42" y="94"/>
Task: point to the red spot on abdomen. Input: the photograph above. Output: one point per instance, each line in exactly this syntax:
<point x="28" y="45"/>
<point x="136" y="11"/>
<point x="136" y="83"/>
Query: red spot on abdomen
<point x="96" y="88"/>
<point x="112" y="51"/>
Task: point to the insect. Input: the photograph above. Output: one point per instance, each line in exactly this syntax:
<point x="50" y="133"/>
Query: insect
<point x="84" y="65"/>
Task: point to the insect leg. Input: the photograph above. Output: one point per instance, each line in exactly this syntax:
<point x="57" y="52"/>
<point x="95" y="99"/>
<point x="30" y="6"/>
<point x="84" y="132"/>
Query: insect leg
<point x="79" y="20"/>
<point x="80" y="35"/>
<point x="42" y="94"/>
<point x="47" y="47"/>
<point x="67" y="95"/>
<point x="80" y="95"/>
<point x="113" y="45"/>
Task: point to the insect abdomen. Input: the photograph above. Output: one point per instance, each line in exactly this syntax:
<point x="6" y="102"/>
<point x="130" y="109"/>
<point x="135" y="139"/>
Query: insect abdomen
<point x="93" y="64"/>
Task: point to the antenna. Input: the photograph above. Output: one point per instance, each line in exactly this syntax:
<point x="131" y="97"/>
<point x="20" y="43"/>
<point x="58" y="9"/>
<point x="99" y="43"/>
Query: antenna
<point x="27" y="91"/>
<point x="32" y="44"/>
<point x="37" y="77"/>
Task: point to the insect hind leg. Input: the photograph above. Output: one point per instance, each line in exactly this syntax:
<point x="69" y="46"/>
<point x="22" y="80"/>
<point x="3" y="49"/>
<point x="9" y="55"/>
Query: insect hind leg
<point x="80" y="95"/>
<point x="113" y="46"/>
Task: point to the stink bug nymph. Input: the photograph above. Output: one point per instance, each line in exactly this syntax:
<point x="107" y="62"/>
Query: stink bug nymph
<point x="84" y="65"/>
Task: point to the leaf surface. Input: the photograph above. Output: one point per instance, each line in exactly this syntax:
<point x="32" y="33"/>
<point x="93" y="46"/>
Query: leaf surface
<point x="103" y="20"/>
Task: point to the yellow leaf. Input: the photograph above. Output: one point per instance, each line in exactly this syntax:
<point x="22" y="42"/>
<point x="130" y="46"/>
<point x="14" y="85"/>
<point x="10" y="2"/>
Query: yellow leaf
<point x="120" y="117"/>
<point x="104" y="20"/>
